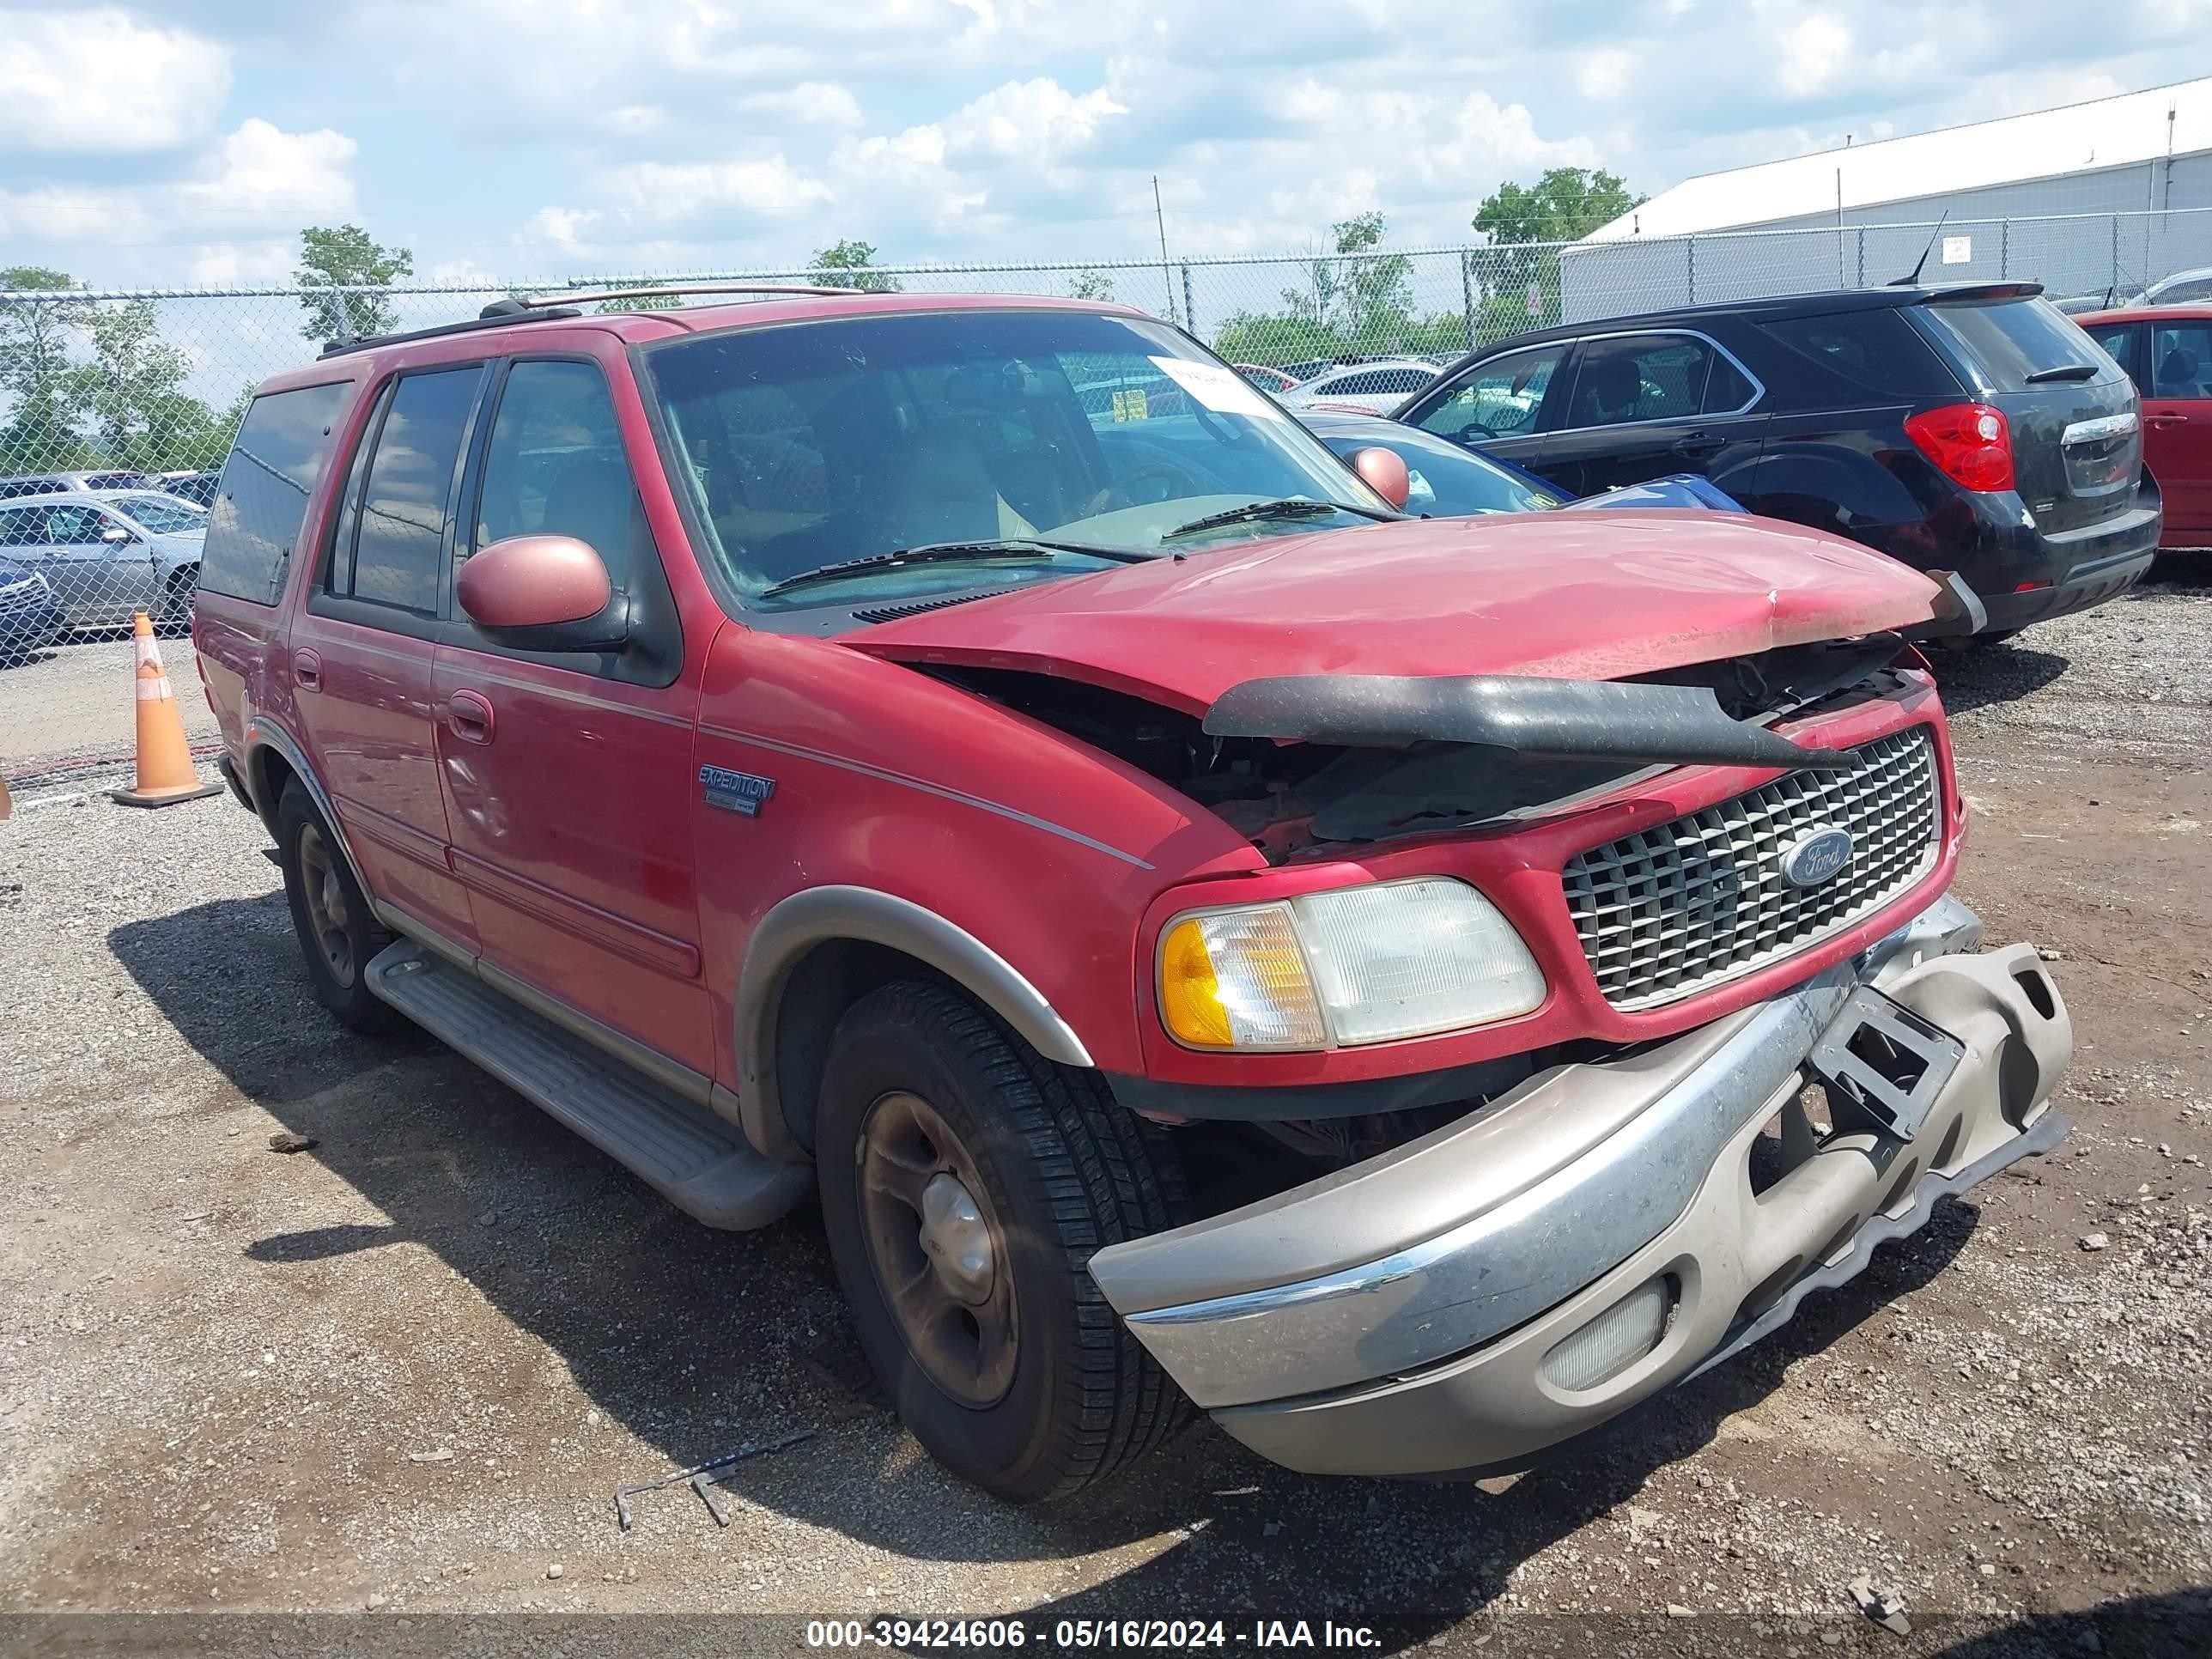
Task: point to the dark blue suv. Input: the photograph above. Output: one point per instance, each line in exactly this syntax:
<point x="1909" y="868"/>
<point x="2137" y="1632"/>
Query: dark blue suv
<point x="1970" y="429"/>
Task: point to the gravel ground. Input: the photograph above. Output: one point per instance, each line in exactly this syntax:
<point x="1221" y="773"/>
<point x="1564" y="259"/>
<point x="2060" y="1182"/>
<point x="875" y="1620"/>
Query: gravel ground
<point x="398" y="1376"/>
<point x="78" y="699"/>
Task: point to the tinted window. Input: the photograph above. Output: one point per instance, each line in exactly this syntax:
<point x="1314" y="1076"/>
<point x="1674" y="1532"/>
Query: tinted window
<point x="114" y="480"/>
<point x="2000" y="343"/>
<point x="274" y="464"/>
<point x="2116" y="341"/>
<point x="1640" y="376"/>
<point x="555" y="467"/>
<point x="23" y="526"/>
<point x="1874" y="349"/>
<point x="405" y="518"/>
<point x="1500" y="399"/>
<point x="2181" y="361"/>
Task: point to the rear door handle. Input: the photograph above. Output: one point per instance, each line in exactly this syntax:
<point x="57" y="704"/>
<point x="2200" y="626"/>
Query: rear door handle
<point x="470" y="715"/>
<point x="1698" y="446"/>
<point x="307" y="670"/>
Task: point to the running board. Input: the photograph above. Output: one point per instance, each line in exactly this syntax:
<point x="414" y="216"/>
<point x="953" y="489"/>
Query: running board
<point x="699" y="1163"/>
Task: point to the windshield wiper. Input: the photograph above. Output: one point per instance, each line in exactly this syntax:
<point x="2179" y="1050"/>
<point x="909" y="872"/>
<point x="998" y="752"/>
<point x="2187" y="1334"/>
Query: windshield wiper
<point x="2063" y="372"/>
<point x="1290" y="507"/>
<point x="1005" y="547"/>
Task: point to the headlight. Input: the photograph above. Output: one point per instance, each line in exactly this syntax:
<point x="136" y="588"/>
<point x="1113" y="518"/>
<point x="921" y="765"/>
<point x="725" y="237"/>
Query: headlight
<point x="1357" y="965"/>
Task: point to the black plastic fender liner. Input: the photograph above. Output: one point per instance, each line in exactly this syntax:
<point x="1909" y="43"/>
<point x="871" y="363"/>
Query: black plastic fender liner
<point x="1581" y="719"/>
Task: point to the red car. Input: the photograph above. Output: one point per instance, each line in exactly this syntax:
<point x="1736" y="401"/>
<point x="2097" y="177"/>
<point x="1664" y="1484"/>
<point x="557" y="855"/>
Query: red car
<point x="1204" y="936"/>
<point x="2167" y="351"/>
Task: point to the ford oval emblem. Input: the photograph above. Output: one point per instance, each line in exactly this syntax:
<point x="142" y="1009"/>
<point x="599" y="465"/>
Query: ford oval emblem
<point x="1818" y="855"/>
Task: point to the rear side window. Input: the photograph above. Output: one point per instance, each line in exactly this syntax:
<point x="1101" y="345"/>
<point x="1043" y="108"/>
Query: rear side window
<point x="1874" y="349"/>
<point x="399" y="533"/>
<point x="1643" y="377"/>
<point x="275" y="463"/>
<point x="2117" y="341"/>
<point x="1999" y="343"/>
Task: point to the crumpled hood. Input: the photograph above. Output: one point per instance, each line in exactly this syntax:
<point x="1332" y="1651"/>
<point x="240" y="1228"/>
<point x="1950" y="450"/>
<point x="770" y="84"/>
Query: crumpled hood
<point x="1563" y="595"/>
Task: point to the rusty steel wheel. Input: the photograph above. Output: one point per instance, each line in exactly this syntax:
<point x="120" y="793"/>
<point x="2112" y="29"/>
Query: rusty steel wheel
<point x="339" y="934"/>
<point x="938" y="1251"/>
<point x="324" y="897"/>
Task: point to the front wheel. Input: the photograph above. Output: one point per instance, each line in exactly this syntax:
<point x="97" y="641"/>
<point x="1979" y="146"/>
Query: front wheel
<point x="966" y="1182"/>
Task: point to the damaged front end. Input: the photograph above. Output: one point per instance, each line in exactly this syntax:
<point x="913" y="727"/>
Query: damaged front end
<point x="1300" y="762"/>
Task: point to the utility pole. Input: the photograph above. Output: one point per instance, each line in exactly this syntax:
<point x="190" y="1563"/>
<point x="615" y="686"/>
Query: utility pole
<point x="1167" y="279"/>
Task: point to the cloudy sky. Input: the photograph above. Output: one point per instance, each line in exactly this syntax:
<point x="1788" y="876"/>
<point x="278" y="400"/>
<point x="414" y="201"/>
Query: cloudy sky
<point x="186" y="141"/>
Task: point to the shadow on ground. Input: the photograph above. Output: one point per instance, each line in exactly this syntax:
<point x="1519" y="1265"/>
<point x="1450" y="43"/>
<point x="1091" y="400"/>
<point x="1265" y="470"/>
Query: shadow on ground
<point x="698" y="1341"/>
<point x="1993" y="673"/>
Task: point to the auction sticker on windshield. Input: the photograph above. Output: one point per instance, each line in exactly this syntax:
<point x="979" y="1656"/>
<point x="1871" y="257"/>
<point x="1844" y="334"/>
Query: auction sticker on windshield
<point x="1221" y="389"/>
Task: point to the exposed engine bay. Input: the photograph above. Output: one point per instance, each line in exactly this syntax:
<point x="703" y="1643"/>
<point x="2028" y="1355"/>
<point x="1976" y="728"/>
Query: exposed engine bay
<point x="1298" y="761"/>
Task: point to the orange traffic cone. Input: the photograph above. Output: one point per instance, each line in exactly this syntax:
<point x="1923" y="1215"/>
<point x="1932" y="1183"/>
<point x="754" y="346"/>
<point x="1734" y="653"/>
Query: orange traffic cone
<point x="165" y="760"/>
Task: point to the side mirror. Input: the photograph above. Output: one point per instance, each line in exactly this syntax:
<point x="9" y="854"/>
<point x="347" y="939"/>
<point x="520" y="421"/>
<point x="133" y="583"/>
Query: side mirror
<point x="543" y="593"/>
<point x="1385" y="474"/>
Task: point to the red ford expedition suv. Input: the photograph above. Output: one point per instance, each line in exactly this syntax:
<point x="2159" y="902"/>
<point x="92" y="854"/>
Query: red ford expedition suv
<point x="1413" y="989"/>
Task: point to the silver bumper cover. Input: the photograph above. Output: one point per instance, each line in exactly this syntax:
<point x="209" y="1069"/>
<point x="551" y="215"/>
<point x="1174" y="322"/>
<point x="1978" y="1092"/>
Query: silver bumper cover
<point x="1394" y="1317"/>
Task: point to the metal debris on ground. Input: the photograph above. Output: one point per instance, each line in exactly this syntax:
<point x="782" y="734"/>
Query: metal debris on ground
<point x="1884" y="1606"/>
<point x="291" y="1140"/>
<point x="702" y="1477"/>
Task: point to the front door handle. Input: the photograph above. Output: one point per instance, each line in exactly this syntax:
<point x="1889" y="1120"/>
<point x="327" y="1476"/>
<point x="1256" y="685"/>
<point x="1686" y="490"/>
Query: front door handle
<point x="307" y="670"/>
<point x="470" y="715"/>
<point x="1698" y="446"/>
<point x="2166" y="420"/>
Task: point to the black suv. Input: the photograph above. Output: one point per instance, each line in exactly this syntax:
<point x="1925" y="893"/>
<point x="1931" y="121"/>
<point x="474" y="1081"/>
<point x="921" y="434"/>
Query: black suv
<point x="1968" y="429"/>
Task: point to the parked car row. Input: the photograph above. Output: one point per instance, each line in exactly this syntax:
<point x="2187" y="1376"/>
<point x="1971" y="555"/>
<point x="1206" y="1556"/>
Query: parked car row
<point x="105" y="554"/>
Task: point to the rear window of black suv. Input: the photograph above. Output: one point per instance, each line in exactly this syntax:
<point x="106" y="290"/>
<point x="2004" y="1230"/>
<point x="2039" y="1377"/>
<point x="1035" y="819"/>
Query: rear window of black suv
<point x="1998" y="344"/>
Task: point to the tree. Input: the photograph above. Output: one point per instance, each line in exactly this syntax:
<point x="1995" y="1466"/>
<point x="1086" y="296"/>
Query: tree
<point x="347" y="257"/>
<point x="131" y="390"/>
<point x="1564" y="205"/>
<point x="850" y="265"/>
<point x="1356" y="300"/>
<point x="35" y="372"/>
<point x="643" y="301"/>
<point x="1091" y="285"/>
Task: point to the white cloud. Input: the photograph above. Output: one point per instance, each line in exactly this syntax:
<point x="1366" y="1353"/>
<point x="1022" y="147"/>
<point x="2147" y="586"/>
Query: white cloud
<point x="1034" y="121"/>
<point x="259" y="178"/>
<point x="817" y="103"/>
<point x="562" y="227"/>
<point x="1603" y="74"/>
<point x="1813" y="51"/>
<point x="652" y="192"/>
<point x="97" y="83"/>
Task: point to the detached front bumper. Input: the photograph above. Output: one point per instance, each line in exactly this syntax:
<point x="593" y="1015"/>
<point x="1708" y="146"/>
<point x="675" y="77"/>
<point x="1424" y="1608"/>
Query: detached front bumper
<point x="1413" y="1314"/>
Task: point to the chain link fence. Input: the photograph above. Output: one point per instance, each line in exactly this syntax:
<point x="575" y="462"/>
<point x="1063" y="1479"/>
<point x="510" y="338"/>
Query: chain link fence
<point x="139" y="391"/>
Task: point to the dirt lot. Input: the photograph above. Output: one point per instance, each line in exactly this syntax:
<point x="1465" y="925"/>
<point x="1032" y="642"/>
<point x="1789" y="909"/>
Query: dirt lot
<point x="398" y="1374"/>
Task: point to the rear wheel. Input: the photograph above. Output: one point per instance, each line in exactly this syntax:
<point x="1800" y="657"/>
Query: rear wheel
<point x="174" y="613"/>
<point x="339" y="933"/>
<point x="966" y="1182"/>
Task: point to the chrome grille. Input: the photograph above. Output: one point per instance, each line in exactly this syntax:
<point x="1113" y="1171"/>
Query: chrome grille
<point x="1683" y="907"/>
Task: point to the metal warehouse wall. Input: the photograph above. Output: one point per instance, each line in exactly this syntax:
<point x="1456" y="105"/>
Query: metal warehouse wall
<point x="2078" y="233"/>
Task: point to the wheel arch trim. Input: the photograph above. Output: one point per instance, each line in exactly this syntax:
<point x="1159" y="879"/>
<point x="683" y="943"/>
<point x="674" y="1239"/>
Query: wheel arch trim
<point x="822" y="915"/>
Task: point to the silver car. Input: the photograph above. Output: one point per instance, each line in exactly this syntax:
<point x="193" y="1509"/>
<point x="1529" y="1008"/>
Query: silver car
<point x="107" y="553"/>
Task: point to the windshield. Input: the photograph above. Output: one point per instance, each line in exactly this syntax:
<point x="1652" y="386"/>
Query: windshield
<point x="164" y="515"/>
<point x="849" y="440"/>
<point x="1447" y="481"/>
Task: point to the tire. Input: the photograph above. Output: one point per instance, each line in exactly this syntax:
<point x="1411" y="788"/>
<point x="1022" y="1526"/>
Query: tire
<point x="1062" y="1172"/>
<point x="338" y="932"/>
<point x="175" y="616"/>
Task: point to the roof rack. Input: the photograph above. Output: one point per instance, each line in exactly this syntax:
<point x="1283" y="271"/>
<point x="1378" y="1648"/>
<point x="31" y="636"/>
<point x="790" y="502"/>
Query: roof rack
<point x="593" y="296"/>
<point x="550" y="307"/>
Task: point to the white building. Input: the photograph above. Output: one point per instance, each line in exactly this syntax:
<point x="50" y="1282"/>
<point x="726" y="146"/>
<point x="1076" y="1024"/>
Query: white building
<point x="2111" y="193"/>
